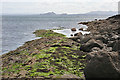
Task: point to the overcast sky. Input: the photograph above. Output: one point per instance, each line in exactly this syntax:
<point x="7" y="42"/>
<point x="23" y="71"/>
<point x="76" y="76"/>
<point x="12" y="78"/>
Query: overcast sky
<point x="57" y="6"/>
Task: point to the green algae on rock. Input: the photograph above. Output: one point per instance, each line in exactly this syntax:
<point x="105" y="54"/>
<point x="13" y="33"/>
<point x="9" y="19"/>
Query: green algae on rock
<point x="47" y="33"/>
<point x="52" y="56"/>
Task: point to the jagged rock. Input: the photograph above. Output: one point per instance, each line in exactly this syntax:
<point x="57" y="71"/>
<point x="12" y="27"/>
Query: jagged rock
<point x="90" y="44"/>
<point x="85" y="39"/>
<point x="73" y="29"/>
<point x="115" y="37"/>
<point x="116" y="46"/>
<point x="101" y="38"/>
<point x="103" y="64"/>
<point x="110" y="43"/>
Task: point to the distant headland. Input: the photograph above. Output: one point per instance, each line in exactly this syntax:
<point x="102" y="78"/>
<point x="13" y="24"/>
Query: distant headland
<point x="89" y="13"/>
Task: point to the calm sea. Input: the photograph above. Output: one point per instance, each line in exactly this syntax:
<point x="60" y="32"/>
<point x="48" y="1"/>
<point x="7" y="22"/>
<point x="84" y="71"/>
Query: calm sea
<point x="18" y="29"/>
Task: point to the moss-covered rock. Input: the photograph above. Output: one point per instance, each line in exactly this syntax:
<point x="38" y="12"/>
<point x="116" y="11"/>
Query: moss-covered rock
<point x="47" y="33"/>
<point x="45" y="57"/>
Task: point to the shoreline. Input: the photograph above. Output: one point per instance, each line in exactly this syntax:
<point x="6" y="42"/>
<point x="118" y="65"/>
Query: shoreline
<point x="34" y="36"/>
<point x="59" y="43"/>
<point x="64" y="49"/>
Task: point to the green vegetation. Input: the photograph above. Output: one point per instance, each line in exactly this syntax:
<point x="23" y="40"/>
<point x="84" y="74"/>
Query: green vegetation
<point x="46" y="58"/>
<point x="53" y="61"/>
<point x="47" y="33"/>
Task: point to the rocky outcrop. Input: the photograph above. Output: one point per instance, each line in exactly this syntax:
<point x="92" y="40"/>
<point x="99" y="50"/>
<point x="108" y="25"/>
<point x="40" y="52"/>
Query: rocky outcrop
<point x="103" y="47"/>
<point x="87" y="47"/>
<point x="54" y="54"/>
<point x="47" y="57"/>
<point x="103" y="64"/>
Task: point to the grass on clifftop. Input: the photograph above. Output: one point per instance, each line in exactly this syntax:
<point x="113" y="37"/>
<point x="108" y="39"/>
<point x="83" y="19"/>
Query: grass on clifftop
<point x="47" y="33"/>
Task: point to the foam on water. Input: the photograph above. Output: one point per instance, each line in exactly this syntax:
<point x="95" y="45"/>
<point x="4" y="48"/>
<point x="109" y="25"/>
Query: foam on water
<point x="68" y="32"/>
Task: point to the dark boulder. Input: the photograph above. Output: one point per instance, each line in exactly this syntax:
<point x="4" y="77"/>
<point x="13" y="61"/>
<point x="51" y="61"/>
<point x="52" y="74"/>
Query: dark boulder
<point x="110" y="43"/>
<point x="102" y="64"/>
<point x="78" y="34"/>
<point x="81" y="29"/>
<point x="114" y="37"/>
<point x="101" y="38"/>
<point x="71" y="35"/>
<point x="85" y="39"/>
<point x="90" y="44"/>
<point x="84" y="23"/>
<point x="116" y="46"/>
<point x="73" y="29"/>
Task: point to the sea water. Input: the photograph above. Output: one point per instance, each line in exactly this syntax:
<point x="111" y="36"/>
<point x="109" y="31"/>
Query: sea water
<point x="17" y="29"/>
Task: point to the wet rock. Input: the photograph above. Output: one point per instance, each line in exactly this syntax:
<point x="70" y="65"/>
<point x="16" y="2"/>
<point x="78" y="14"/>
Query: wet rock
<point x="71" y="35"/>
<point x="90" y="44"/>
<point x="78" y="34"/>
<point x="84" y="23"/>
<point x="75" y="38"/>
<point x="102" y="64"/>
<point x="95" y="19"/>
<point x="73" y="29"/>
<point x="81" y="29"/>
<point x="78" y="38"/>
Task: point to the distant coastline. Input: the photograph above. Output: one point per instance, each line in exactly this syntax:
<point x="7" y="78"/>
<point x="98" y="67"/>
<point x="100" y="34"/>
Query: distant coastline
<point x="109" y="13"/>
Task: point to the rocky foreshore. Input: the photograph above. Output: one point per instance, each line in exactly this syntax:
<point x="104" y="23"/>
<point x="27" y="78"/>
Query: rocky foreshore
<point x="94" y="55"/>
<point x="103" y="48"/>
<point x="52" y="56"/>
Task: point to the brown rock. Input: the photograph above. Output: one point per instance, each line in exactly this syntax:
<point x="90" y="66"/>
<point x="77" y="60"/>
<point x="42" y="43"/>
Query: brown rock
<point x="90" y="44"/>
<point x="81" y="29"/>
<point x="73" y="29"/>
<point x="102" y="64"/>
<point x="71" y="35"/>
<point x="101" y="38"/>
<point x="84" y="23"/>
<point x="116" y="46"/>
<point x="85" y="39"/>
<point x="78" y="34"/>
